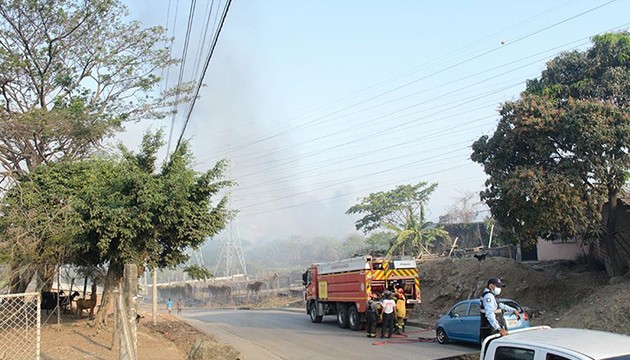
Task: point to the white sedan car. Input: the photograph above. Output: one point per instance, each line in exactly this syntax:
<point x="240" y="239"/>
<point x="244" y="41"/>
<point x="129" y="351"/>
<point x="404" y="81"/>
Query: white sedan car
<point x="544" y="343"/>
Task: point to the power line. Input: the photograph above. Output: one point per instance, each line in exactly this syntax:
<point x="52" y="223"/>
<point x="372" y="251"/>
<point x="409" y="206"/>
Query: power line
<point x="449" y="55"/>
<point x="191" y="14"/>
<point x="510" y="43"/>
<point x="203" y="74"/>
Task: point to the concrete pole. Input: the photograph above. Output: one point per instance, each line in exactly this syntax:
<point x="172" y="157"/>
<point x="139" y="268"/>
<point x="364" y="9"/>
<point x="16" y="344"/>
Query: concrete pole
<point x="130" y="292"/>
<point x="154" y="294"/>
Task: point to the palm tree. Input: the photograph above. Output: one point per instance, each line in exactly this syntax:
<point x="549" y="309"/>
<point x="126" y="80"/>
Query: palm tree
<point x="416" y="236"/>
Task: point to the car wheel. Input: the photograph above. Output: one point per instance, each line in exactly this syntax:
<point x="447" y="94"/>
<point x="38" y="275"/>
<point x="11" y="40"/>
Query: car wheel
<point x="313" y="313"/>
<point x="342" y="316"/>
<point x="441" y="336"/>
<point x="354" y="319"/>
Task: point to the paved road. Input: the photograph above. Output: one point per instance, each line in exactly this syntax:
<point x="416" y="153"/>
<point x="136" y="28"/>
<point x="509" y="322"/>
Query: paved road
<point x="273" y="335"/>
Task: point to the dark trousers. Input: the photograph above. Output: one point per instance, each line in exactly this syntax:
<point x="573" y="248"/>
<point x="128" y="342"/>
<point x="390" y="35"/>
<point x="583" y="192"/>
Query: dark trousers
<point x="388" y="323"/>
<point x="484" y="332"/>
<point x="371" y="322"/>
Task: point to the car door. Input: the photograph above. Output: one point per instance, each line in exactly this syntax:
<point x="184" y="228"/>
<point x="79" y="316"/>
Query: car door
<point x="456" y="326"/>
<point x="472" y="321"/>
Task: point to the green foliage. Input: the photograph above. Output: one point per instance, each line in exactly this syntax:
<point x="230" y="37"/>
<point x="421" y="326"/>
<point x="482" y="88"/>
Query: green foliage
<point x="115" y="211"/>
<point x="561" y="150"/>
<point x="401" y="211"/>
<point x="197" y="272"/>
<point x="38" y="220"/>
<point x="392" y="207"/>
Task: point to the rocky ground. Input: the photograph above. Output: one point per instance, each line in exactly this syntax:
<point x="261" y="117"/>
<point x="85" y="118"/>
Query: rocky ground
<point x="559" y="294"/>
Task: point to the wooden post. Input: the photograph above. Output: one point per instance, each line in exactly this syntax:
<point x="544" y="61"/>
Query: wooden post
<point x="491" y="233"/>
<point x="453" y="247"/>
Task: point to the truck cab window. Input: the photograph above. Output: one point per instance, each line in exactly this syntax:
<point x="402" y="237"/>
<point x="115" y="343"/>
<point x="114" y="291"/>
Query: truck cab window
<point x="555" y="357"/>
<point x="513" y="353"/>
<point x="307" y="277"/>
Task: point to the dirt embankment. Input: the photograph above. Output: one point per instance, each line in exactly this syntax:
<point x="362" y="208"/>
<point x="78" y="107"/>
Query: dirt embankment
<point x="559" y="294"/>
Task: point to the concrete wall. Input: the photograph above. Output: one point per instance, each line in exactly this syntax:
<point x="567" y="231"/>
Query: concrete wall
<point x="548" y="250"/>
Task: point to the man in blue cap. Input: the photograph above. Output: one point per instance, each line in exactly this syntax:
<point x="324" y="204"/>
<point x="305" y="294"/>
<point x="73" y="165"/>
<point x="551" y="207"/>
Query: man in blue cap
<point x="491" y="311"/>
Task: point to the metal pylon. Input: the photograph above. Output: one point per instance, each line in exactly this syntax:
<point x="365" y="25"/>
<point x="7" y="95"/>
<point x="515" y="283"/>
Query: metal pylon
<point x="231" y="259"/>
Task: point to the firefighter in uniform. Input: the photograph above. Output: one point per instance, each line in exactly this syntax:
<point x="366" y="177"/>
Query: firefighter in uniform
<point x="372" y="315"/>
<point x="401" y="311"/>
<point x="491" y="310"/>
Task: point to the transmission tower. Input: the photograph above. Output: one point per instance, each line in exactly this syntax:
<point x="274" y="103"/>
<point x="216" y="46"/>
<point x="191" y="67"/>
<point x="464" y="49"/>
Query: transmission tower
<point x="231" y="259"/>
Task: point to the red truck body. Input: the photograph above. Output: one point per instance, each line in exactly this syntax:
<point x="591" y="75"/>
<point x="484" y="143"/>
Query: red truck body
<point x="343" y="287"/>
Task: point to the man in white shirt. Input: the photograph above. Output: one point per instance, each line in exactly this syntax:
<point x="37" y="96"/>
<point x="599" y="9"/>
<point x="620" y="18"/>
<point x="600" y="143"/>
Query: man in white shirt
<point x="491" y="310"/>
<point x="389" y="314"/>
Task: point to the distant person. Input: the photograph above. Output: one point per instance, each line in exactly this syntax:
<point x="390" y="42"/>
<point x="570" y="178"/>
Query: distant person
<point x="169" y="306"/>
<point x="180" y="306"/>
<point x="491" y="310"/>
<point x="373" y="307"/>
<point x="401" y="311"/>
<point x="389" y="314"/>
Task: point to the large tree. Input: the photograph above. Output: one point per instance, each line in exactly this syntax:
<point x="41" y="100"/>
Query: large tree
<point x="37" y="226"/>
<point x="116" y="211"/>
<point x="148" y="216"/>
<point x="71" y="73"/>
<point x="400" y="210"/>
<point x="560" y="152"/>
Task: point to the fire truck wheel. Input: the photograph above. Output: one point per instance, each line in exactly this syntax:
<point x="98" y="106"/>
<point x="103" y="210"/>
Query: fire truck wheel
<point x="313" y="313"/>
<point x="342" y="316"/>
<point x="354" y="319"/>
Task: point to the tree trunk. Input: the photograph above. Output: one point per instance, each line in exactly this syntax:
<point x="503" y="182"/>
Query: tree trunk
<point x="20" y="278"/>
<point x="614" y="264"/>
<point x="111" y="281"/>
<point x="46" y="276"/>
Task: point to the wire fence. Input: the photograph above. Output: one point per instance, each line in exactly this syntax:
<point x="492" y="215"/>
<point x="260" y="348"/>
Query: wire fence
<point x="20" y="326"/>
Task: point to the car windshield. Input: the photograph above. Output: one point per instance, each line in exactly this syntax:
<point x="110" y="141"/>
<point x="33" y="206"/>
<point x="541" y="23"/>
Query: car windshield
<point x="513" y="304"/>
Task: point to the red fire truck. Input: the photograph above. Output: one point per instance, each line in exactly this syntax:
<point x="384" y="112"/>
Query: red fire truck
<point x="343" y="287"/>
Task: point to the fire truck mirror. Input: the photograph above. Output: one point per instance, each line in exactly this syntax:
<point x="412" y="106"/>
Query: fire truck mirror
<point x="305" y="278"/>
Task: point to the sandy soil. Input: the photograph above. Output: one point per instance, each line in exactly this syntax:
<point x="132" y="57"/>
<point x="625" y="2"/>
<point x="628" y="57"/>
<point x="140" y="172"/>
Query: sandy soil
<point x="170" y="339"/>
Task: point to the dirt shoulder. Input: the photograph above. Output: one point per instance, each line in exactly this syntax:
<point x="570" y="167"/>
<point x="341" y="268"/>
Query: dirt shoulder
<point x="170" y="339"/>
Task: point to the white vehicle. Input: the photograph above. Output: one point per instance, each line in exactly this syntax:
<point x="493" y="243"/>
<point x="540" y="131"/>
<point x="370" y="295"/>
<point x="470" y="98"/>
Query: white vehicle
<point x="545" y="343"/>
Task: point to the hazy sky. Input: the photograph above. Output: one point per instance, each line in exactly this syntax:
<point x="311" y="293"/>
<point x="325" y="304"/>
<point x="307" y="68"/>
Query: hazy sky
<point x="319" y="103"/>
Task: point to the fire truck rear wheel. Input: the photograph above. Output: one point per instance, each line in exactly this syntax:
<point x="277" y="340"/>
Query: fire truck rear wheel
<point x="313" y="313"/>
<point x="354" y="319"/>
<point x="342" y="316"/>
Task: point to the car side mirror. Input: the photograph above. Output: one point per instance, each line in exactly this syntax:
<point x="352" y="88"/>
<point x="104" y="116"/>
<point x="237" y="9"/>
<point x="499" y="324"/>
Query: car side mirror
<point x="454" y="315"/>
